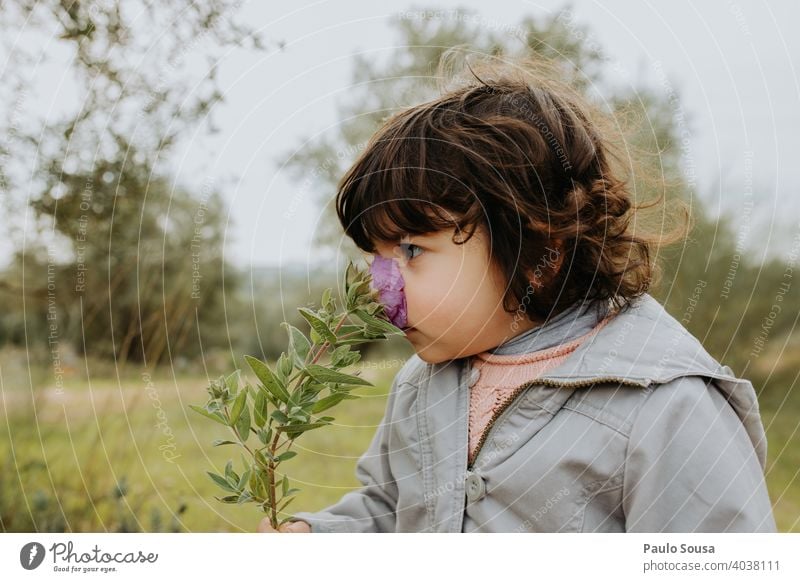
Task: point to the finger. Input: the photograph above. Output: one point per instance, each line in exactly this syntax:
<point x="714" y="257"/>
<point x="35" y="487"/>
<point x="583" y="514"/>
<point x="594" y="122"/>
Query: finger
<point x="264" y="526"/>
<point x="294" y="527"/>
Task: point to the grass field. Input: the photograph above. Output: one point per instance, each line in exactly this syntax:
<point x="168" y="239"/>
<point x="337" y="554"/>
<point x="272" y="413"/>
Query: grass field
<point x="126" y="454"/>
<point x="131" y="456"/>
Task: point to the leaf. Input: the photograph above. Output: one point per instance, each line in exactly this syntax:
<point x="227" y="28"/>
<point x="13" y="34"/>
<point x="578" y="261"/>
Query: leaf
<point x="244" y="497"/>
<point x="261" y="458"/>
<point x="317" y="324"/>
<point x="351" y="359"/>
<point x="270" y="397"/>
<point x="286" y="455"/>
<point x="340" y="355"/>
<point x="377" y="325"/>
<point x="219" y="480"/>
<point x="268" y="378"/>
<point x="314" y="387"/>
<point x="253" y="481"/>
<point x="284" y="504"/>
<point x="227" y="498"/>
<point x="349" y="275"/>
<point x="238" y="406"/>
<point x="215" y="390"/>
<point x="213" y="416"/>
<point x="299" y="342"/>
<point x="230" y="474"/>
<point x="361" y="292"/>
<point x="260" y="408"/>
<point x="354" y="341"/>
<point x="279" y="416"/>
<point x="346" y="330"/>
<point x="323" y="374"/>
<point x="243" y="479"/>
<point x="284" y="485"/>
<point x="345" y="389"/>
<point x="265" y="435"/>
<point x="220" y="442"/>
<point x="262" y="479"/>
<point x="328" y="402"/>
<point x="285" y="365"/>
<point x="308" y="425"/>
<point x="295" y="429"/>
<point x="243" y="424"/>
<point x="232" y="381"/>
<point x="352" y="294"/>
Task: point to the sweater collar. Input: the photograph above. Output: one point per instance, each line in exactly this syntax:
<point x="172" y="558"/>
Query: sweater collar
<point x="571" y="323"/>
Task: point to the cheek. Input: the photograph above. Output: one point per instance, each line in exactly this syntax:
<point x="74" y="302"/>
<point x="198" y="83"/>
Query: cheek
<point x="425" y="298"/>
<point x="446" y="296"/>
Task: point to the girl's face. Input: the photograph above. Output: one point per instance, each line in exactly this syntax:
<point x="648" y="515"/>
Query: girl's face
<point x="454" y="296"/>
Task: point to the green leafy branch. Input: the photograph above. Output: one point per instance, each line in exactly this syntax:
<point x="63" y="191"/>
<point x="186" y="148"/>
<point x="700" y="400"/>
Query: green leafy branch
<point x="266" y="419"/>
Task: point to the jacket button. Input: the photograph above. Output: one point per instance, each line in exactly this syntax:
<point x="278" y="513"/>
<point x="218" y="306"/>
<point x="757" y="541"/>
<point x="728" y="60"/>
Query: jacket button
<point x="473" y="377"/>
<point x="475" y="487"/>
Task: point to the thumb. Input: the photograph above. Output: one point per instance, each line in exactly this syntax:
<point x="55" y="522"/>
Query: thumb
<point x="265" y="526"/>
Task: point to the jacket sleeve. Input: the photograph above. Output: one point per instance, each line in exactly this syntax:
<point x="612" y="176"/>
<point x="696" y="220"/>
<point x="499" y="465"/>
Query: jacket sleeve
<point x="691" y="466"/>
<point x="370" y="508"/>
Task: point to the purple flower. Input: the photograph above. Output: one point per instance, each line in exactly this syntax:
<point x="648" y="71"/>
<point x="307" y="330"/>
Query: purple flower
<point x="388" y="281"/>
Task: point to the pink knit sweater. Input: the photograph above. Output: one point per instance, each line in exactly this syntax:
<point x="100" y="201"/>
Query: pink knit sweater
<point x="496" y="376"/>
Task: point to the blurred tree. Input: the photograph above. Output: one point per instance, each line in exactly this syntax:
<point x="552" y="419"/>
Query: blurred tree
<point x="120" y="262"/>
<point x="147" y="274"/>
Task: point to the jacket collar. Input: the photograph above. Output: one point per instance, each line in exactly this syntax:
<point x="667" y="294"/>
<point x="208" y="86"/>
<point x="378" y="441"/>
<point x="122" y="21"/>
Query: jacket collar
<point x="574" y="321"/>
<point x="642" y="344"/>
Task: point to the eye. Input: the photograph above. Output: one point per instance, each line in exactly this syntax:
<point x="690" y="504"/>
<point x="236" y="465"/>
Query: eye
<point x="406" y="248"/>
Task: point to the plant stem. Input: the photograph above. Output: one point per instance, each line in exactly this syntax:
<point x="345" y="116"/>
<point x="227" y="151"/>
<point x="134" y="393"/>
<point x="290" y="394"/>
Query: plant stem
<point x="271" y="487"/>
<point x="274" y="445"/>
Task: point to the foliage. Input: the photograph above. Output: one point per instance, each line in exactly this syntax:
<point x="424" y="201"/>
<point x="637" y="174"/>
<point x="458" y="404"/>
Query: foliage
<point x="287" y="401"/>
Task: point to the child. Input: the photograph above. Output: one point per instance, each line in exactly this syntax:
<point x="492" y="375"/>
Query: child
<point x="549" y="391"/>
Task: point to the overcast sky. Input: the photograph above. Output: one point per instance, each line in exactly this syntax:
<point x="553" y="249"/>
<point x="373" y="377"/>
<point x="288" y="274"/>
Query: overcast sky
<point x="734" y="65"/>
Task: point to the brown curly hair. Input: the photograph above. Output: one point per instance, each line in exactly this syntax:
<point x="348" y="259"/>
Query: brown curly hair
<point x="514" y="149"/>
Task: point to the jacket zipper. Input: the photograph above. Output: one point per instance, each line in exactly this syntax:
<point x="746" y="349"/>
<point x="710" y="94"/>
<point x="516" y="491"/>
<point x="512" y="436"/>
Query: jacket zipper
<point x="517" y="391"/>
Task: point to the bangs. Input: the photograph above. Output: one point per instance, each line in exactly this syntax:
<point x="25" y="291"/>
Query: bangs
<point x="389" y="221"/>
<point x="402" y="185"/>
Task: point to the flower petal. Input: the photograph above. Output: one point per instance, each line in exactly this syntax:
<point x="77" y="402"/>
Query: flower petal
<point x="388" y="280"/>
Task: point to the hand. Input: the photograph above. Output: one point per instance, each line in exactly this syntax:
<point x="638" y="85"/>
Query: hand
<point x="288" y="527"/>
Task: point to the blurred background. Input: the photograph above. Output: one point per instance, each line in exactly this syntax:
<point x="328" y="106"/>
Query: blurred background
<point x="167" y="173"/>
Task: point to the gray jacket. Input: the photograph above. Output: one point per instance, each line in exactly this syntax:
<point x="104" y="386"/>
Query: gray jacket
<point x="639" y="430"/>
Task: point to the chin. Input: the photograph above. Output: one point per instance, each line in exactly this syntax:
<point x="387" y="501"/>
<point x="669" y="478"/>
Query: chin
<point x="432" y="358"/>
<point x="427" y="359"/>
